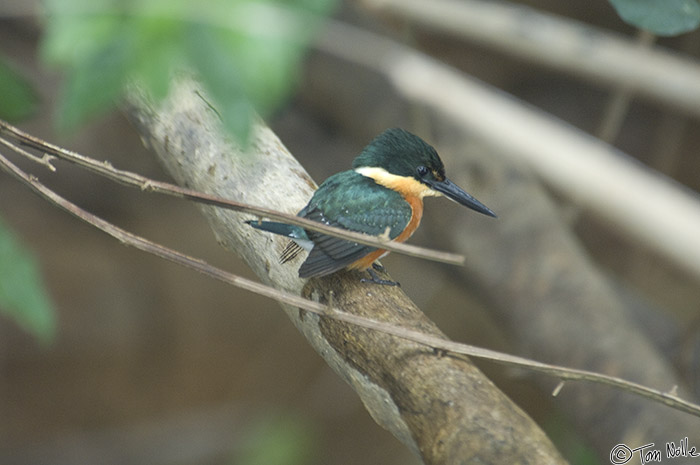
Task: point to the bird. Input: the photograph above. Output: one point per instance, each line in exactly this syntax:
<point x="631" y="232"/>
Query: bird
<point x="381" y="195"/>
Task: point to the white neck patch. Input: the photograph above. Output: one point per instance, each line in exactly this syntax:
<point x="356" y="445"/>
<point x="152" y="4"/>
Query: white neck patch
<point x="404" y="185"/>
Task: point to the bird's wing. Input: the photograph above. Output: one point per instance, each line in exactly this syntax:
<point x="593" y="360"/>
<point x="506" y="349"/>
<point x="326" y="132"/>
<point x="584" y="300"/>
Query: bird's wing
<point x="366" y="207"/>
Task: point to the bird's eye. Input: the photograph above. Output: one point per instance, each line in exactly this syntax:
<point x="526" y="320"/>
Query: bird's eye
<point x="422" y="171"/>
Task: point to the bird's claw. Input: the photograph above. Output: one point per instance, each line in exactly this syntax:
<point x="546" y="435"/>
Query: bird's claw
<point x="376" y="279"/>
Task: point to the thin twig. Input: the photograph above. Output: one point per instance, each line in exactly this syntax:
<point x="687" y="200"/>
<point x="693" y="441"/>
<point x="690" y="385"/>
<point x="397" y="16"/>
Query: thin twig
<point x="45" y="160"/>
<point x="667" y="398"/>
<point x="128" y="178"/>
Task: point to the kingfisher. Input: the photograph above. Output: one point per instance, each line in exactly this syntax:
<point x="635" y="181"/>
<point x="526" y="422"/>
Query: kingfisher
<point x="381" y="195"/>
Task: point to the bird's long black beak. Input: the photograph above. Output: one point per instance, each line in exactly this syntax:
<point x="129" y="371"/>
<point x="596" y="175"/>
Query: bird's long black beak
<point x="453" y="192"/>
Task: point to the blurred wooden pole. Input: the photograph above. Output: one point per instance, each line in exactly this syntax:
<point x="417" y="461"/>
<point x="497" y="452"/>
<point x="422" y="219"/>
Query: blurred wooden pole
<point x="563" y="44"/>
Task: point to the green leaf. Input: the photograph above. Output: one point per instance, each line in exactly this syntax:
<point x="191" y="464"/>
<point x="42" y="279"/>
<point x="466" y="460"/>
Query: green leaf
<point x="283" y="439"/>
<point x="18" y="96"/>
<point x="70" y="37"/>
<point x="158" y="54"/>
<point x="95" y="83"/>
<point x="568" y="441"/>
<point x="221" y="75"/>
<point x="22" y="294"/>
<point x="662" y="17"/>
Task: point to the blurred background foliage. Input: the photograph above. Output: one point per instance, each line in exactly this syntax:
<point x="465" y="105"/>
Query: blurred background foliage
<point x="145" y="354"/>
<point x="246" y="53"/>
<point x="22" y="294"/>
<point x="19" y="98"/>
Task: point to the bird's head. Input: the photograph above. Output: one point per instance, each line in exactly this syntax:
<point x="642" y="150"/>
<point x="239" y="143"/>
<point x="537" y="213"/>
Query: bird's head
<point x="406" y="163"/>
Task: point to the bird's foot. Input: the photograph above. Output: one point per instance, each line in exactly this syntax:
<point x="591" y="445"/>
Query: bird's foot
<point x="377" y="280"/>
<point x="378" y="266"/>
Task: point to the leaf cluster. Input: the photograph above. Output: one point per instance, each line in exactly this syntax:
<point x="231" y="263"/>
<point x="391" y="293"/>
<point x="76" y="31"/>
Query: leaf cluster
<point x="663" y="18"/>
<point x="246" y="53"/>
<point x="22" y="293"/>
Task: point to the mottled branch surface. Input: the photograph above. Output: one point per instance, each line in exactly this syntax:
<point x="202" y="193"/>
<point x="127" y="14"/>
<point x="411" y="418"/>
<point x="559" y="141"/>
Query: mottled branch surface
<point x="441" y="407"/>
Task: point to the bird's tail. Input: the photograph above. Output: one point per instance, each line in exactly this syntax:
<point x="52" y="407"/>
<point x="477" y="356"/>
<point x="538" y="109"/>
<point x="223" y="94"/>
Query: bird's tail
<point x="289" y="230"/>
<point x="300" y="240"/>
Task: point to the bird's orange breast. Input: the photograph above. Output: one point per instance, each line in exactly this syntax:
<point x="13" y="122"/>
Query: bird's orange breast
<point x="416" y="204"/>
